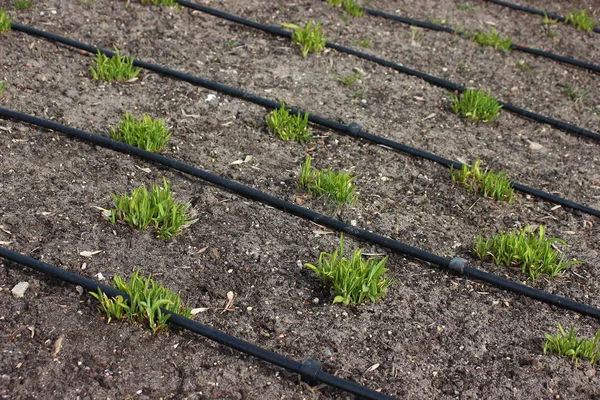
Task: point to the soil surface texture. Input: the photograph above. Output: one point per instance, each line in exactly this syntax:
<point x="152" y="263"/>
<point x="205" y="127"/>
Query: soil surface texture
<point x="433" y="335"/>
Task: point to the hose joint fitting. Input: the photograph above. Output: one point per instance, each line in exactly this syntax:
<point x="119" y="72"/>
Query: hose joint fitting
<point x="458" y="264"/>
<point x="354" y="128"/>
<point x="309" y="370"/>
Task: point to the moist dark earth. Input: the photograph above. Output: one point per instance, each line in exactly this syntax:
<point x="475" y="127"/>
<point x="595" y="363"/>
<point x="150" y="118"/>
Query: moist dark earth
<point x="434" y="335"/>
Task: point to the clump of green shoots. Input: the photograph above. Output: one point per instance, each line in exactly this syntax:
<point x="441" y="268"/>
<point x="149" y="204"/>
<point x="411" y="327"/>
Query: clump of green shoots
<point x="288" y="126"/>
<point x="349" y="80"/>
<point x="486" y="182"/>
<point x="2" y="87"/>
<point x="146" y="133"/>
<point x="547" y="21"/>
<point x="350" y="6"/>
<point x="491" y="39"/>
<point x="523" y="66"/>
<point x="155" y="208"/>
<point x="146" y="300"/>
<point x="466" y="7"/>
<point x="534" y="253"/>
<point x="581" y="19"/>
<point x="568" y="344"/>
<point x="354" y="280"/>
<point x="22" y="4"/>
<point x="5" y="21"/>
<point x="364" y="43"/>
<point x="168" y="3"/>
<point x="310" y="38"/>
<point x="478" y="105"/>
<point x="116" y="68"/>
<point x="333" y="185"/>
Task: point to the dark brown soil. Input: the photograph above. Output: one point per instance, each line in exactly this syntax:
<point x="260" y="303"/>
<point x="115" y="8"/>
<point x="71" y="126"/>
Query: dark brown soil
<point x="434" y="335"/>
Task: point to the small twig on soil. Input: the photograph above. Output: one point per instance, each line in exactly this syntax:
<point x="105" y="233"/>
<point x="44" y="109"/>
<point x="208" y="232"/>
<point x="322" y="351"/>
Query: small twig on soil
<point x="582" y="277"/>
<point x="472" y="205"/>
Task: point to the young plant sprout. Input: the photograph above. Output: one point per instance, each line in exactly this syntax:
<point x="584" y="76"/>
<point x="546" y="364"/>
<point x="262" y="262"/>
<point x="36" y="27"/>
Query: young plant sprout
<point x="349" y="80"/>
<point x="145" y="132"/>
<point x="5" y="21"/>
<point x="146" y="300"/>
<point x="116" y="68"/>
<point x="350" y="6"/>
<point x="568" y="344"/>
<point x="168" y="3"/>
<point x="310" y="38"/>
<point x="354" y="280"/>
<point x="336" y="186"/>
<point x="534" y="253"/>
<point x="22" y="4"/>
<point x="364" y="43"/>
<point x="491" y="39"/>
<point x="288" y="126"/>
<point x="581" y="19"/>
<point x="488" y="183"/>
<point x="2" y="87"/>
<point x="155" y="208"/>
<point x="478" y="105"/>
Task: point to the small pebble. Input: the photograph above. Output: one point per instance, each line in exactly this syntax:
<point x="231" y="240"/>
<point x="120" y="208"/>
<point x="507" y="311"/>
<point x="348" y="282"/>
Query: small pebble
<point x="19" y="290"/>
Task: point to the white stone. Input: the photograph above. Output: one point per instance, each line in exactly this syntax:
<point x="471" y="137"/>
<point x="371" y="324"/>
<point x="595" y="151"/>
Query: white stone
<point x="19" y="289"/>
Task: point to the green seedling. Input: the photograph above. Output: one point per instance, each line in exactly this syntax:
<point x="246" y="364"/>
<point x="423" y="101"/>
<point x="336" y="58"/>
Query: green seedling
<point x="354" y="280"/>
<point x="568" y="344"/>
<point x="581" y="19"/>
<point x="147" y="299"/>
<point x="523" y="66"/>
<point x="350" y="6"/>
<point x="310" y="38"/>
<point x="145" y="133"/>
<point x="2" y="87"/>
<point x="491" y="39"/>
<point x="336" y="186"/>
<point x="5" y="21"/>
<point x="547" y="21"/>
<point x="463" y="66"/>
<point x="434" y="19"/>
<point x="574" y="95"/>
<point x="416" y="34"/>
<point x="349" y="80"/>
<point x="466" y="7"/>
<point x="358" y="95"/>
<point x="478" y="105"/>
<point x="116" y="68"/>
<point x="365" y="43"/>
<point x="168" y="3"/>
<point x="22" y="4"/>
<point x="534" y="253"/>
<point x="156" y="208"/>
<point x="288" y="126"/>
<point x="488" y="183"/>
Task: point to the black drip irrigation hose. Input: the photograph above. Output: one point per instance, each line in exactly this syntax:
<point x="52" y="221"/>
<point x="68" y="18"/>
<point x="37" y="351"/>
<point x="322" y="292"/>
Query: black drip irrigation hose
<point x="353" y="129"/>
<point x="426" y="77"/>
<point x="436" y="27"/>
<point x="457" y="265"/>
<point x="534" y="11"/>
<point x="310" y="370"/>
